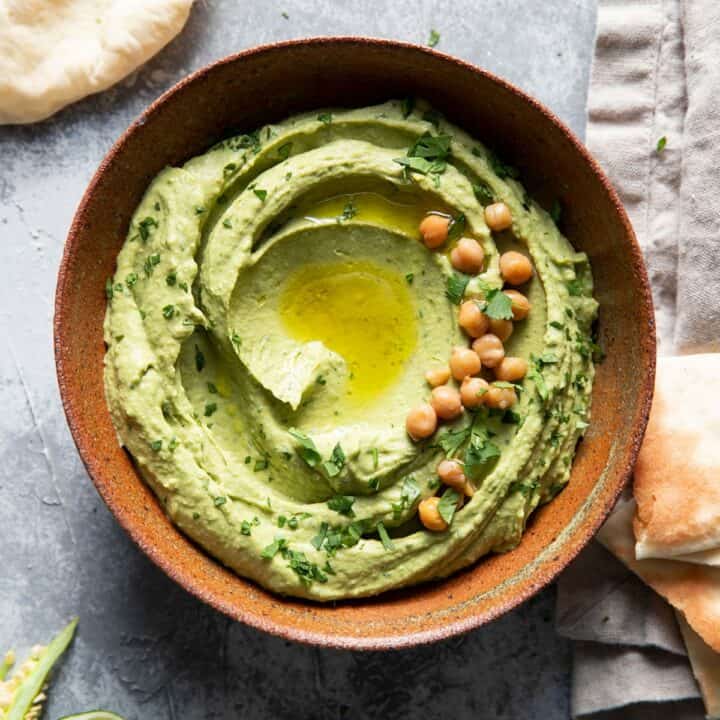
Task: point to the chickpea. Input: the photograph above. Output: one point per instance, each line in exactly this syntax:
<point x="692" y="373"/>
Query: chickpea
<point x="434" y="230"/>
<point x="472" y="319"/>
<point x="515" y="268"/>
<point x="500" y="397"/>
<point x="511" y="369"/>
<point x="451" y="472"/>
<point x="430" y="515"/>
<point x="467" y="256"/>
<point x="498" y="216"/>
<point x="472" y="392"/>
<point x="464" y="362"/>
<point x="438" y="376"/>
<point x="421" y="421"/>
<point x="502" y="328"/>
<point x="469" y="489"/>
<point x="446" y="402"/>
<point x="490" y="350"/>
<point x="520" y="304"/>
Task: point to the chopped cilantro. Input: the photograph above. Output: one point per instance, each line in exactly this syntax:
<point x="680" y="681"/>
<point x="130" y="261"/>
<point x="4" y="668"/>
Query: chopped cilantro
<point x="434" y="38"/>
<point x="575" y="287"/>
<point x="220" y="501"/>
<point x="335" y="464"/>
<point x="210" y="408"/>
<point x="427" y="155"/>
<point x="661" y="143"/>
<point x="502" y="169"/>
<point x="168" y="311"/>
<point x="144" y="227"/>
<point x="479" y="452"/>
<point x="349" y="211"/>
<point x="212" y="388"/>
<point x="109" y="289"/>
<point x="227" y="223"/>
<point x="409" y="277"/>
<point x="384" y="537"/>
<point x="319" y="539"/>
<point x="325" y="118"/>
<point x="284" y="150"/>
<point x="131" y="279"/>
<point x="342" y="504"/>
<point x="271" y="550"/>
<point x="407" y="106"/>
<point x="199" y="359"/>
<point x="171" y="278"/>
<point x="156" y="445"/>
<point x="150" y="262"/>
<point x="261" y="464"/>
<point x="245" y="528"/>
<point x="307" y="450"/>
<point x="262" y="194"/>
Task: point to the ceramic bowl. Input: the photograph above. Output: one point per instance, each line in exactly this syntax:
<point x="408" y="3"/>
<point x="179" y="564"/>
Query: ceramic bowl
<point x="267" y="84"/>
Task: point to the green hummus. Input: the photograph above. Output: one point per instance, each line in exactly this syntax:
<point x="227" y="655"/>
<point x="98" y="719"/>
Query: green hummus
<point x="269" y="325"/>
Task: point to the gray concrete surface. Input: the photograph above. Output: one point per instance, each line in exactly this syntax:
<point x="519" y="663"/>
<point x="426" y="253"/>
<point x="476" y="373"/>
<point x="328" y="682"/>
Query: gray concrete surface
<point x="145" y="648"/>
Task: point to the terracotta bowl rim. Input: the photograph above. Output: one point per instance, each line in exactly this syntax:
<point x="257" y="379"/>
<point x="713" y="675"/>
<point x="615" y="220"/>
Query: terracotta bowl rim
<point x="585" y="532"/>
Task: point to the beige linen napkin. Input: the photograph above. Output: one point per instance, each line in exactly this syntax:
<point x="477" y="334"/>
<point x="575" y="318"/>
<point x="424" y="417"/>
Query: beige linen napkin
<point x="656" y="74"/>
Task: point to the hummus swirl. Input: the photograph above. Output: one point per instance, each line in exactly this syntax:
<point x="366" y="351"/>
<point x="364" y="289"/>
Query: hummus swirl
<point x="280" y="446"/>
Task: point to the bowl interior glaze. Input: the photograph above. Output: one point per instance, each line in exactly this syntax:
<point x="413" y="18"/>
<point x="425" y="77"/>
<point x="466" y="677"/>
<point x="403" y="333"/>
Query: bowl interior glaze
<point x="266" y="85"/>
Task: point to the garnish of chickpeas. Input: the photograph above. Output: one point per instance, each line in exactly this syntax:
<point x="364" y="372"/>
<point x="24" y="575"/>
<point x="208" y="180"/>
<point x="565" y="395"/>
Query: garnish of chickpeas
<point x="472" y="392"/>
<point x="469" y="489"/>
<point x="511" y="369"/>
<point x="501" y="328"/>
<point x="430" y="515"/>
<point x="515" y="268"/>
<point x="500" y="397"/>
<point x="438" y="375"/>
<point x="446" y="402"/>
<point x="452" y="474"/>
<point x="434" y="230"/>
<point x="467" y="256"/>
<point x="472" y="319"/>
<point x="421" y="421"/>
<point x="520" y="304"/>
<point x="464" y="362"/>
<point x="490" y="350"/>
<point x="498" y="216"/>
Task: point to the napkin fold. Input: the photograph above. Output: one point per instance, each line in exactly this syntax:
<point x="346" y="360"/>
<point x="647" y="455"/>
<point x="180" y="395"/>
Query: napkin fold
<point x="654" y="125"/>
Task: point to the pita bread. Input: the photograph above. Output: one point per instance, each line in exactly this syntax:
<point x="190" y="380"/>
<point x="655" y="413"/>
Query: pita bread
<point x="692" y="589"/>
<point x="677" y="476"/>
<point x="706" y="668"/>
<point x="54" y="52"/>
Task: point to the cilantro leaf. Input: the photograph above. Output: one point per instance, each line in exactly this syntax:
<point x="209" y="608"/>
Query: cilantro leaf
<point x="456" y="285"/>
<point x="575" y="287"/>
<point x="433" y="38"/>
<point x="261" y="194"/>
<point x="479" y="452"/>
<point x="499" y="305"/>
<point x="325" y="118"/>
<point x="456" y="227"/>
<point x="448" y="505"/>
<point x="483" y="193"/>
<point x="661" y="143"/>
<point x="502" y="169"/>
<point x="451" y="440"/>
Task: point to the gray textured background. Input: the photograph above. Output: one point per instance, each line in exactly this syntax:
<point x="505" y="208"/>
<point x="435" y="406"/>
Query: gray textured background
<point x="145" y="648"/>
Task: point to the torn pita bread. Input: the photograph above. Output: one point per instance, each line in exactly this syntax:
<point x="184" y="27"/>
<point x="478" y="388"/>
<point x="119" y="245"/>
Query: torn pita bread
<point x="677" y="476"/>
<point x="706" y="668"/>
<point x="692" y="589"/>
<point x="54" y="52"/>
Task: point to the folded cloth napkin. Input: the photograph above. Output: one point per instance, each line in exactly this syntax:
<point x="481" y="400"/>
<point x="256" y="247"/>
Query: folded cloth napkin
<point x="653" y="120"/>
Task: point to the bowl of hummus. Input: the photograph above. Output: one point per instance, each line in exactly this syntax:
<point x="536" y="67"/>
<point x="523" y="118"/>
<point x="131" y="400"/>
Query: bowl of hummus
<point x="366" y="363"/>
